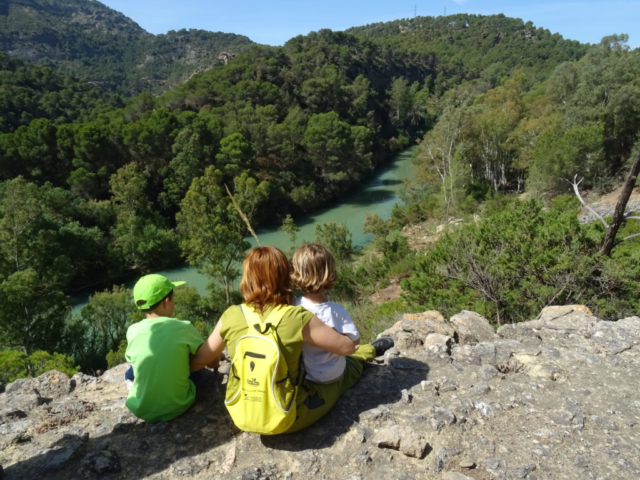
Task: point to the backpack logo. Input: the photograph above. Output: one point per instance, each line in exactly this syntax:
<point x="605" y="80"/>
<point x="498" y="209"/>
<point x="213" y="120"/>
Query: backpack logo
<point x="253" y="382"/>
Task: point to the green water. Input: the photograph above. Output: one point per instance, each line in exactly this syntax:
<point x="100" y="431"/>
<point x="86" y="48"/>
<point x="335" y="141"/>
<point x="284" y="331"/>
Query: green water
<point x="378" y="195"/>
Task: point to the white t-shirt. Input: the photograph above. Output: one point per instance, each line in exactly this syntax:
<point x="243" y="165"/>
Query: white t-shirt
<point x="323" y="366"/>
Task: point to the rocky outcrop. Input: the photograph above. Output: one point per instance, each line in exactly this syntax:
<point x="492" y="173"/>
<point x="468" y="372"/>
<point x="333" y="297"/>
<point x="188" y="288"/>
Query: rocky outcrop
<point x="556" y="397"/>
<point x="606" y="210"/>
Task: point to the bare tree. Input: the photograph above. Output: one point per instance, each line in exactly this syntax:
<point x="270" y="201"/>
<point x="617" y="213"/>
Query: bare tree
<point x="618" y="214"/>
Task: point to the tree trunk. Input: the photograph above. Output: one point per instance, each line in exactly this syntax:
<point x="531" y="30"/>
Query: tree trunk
<point x="618" y="214"/>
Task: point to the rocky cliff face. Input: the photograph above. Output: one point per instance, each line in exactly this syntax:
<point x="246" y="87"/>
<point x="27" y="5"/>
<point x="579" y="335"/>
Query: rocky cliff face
<point x="556" y="397"/>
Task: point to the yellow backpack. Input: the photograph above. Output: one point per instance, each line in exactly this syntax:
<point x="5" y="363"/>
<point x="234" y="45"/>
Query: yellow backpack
<point x="260" y="395"/>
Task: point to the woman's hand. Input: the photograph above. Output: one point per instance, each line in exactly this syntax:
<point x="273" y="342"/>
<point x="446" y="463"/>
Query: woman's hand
<point x="322" y="336"/>
<point x="208" y="354"/>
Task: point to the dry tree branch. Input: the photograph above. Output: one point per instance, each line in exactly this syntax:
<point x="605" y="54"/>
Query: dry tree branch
<point x="627" y="238"/>
<point x="242" y="215"/>
<point x="577" y="190"/>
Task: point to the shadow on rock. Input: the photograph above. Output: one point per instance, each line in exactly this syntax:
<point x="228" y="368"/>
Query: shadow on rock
<point x="112" y="440"/>
<point x="379" y="385"/>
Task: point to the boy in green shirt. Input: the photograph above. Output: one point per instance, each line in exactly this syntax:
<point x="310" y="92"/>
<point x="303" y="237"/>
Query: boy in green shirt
<point x="158" y="350"/>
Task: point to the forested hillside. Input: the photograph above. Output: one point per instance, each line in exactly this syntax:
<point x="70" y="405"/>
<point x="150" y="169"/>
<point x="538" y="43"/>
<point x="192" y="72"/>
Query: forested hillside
<point x="28" y="92"/>
<point x="101" y="46"/>
<point x="94" y="190"/>
<point x="476" y="46"/>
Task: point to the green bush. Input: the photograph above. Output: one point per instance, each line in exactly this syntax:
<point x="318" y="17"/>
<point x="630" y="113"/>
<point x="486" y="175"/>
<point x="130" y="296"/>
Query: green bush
<point x="117" y="357"/>
<point x="516" y="261"/>
<point x="15" y="364"/>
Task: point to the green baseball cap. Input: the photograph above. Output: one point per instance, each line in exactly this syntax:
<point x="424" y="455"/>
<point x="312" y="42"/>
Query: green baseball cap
<point x="150" y="289"/>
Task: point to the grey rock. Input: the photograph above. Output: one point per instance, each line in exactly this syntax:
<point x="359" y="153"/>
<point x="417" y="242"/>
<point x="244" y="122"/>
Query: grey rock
<point x="479" y="389"/>
<point x="580" y="462"/>
<point x="51" y="384"/>
<point x="423" y="324"/>
<point x="523" y="472"/>
<point x="492" y="463"/>
<point x="81" y="380"/>
<point x="542" y="452"/>
<point x="467" y="463"/>
<point x="437" y="339"/>
<point x="440" y="458"/>
<point x="446" y="384"/>
<point x="375" y="414"/>
<point x="455" y="476"/>
<point x="224" y="368"/>
<point x="472" y="328"/>
<point x="20" y="401"/>
<point x="443" y="415"/>
<point x="11" y="413"/>
<point x="487" y="372"/>
<point x="552" y="352"/>
<point x="56" y="459"/>
<point x="561" y="417"/>
<point x="189" y="466"/>
<point x="100" y="463"/>
<point x="406" y="397"/>
<point x="570" y="318"/>
<point x="402" y="438"/>
<point x="262" y="472"/>
<point x="15" y="427"/>
<point x="605" y="423"/>
<point x="61" y="448"/>
<point x="482" y="353"/>
<point x="520" y="331"/>
<point x="393" y="352"/>
<point x="406" y="341"/>
<point x="484" y="408"/>
<point x="115" y="374"/>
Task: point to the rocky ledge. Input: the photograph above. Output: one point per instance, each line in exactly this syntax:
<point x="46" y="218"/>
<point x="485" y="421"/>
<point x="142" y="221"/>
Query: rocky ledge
<point x="556" y="397"/>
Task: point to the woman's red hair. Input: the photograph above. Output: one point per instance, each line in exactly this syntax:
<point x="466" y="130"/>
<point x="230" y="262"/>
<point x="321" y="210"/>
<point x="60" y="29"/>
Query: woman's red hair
<point x="266" y="274"/>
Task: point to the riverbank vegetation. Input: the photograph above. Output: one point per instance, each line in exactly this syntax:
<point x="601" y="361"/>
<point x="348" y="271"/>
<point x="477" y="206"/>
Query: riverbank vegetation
<point x="96" y="188"/>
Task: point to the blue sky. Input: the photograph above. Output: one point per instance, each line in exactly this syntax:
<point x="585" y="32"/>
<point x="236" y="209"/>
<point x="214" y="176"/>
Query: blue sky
<point x="274" y="22"/>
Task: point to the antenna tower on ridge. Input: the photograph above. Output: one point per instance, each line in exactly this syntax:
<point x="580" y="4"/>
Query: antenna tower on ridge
<point x="445" y="11"/>
<point x="415" y="11"/>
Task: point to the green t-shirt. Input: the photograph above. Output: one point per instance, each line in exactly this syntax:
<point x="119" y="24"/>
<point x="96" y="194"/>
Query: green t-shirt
<point x="158" y="349"/>
<point x="289" y="332"/>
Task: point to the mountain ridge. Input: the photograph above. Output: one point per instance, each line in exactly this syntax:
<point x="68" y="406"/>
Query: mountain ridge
<point x="104" y="47"/>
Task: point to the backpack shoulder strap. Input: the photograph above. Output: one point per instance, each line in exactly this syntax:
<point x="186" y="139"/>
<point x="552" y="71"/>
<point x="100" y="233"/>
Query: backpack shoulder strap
<point x="272" y="321"/>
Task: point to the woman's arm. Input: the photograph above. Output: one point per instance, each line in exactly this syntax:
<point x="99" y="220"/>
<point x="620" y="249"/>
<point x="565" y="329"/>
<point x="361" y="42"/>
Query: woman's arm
<point x="322" y="336"/>
<point x="208" y="354"/>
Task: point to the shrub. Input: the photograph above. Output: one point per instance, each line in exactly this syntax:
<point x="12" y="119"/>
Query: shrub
<point x="518" y="260"/>
<point x="15" y="364"/>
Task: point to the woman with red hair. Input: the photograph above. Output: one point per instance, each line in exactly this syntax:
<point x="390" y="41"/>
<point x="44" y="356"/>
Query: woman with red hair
<point x="266" y="289"/>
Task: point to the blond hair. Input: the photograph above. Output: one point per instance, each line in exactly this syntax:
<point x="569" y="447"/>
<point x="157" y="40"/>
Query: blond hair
<point x="314" y="269"/>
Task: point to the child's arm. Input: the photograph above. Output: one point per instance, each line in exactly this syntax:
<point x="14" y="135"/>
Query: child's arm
<point x="208" y="354"/>
<point x="322" y="336"/>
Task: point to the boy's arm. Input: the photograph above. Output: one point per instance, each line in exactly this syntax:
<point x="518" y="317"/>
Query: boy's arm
<point x="208" y="354"/>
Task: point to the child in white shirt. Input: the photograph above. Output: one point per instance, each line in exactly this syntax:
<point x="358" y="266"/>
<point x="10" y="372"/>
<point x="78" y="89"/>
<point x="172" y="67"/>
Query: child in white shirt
<point x="314" y="273"/>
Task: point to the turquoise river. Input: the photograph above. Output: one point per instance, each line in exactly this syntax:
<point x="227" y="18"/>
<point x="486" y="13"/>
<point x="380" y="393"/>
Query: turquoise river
<point x="378" y="195"/>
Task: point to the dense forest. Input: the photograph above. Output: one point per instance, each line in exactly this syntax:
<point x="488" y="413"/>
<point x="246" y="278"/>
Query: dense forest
<point x="97" y="187"/>
<point x="102" y="46"/>
<point x="28" y="92"/>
